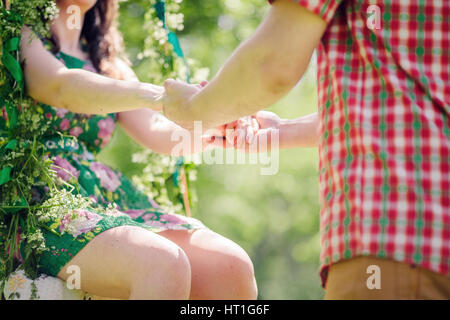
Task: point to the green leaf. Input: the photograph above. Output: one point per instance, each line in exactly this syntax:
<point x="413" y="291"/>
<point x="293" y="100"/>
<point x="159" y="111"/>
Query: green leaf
<point x="5" y="175"/>
<point x="11" y="144"/>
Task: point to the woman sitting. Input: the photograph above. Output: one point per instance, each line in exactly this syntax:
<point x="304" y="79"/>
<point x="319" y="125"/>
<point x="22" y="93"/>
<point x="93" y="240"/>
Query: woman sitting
<point x="137" y="251"/>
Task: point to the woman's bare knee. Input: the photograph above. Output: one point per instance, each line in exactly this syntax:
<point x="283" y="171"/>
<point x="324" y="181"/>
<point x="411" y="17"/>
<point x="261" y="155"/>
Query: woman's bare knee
<point x="131" y="262"/>
<point x="220" y="268"/>
<point x="239" y="274"/>
<point x="170" y="279"/>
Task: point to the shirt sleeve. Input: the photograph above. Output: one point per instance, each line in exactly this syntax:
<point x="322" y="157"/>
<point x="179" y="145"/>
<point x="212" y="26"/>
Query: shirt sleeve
<point x="323" y="8"/>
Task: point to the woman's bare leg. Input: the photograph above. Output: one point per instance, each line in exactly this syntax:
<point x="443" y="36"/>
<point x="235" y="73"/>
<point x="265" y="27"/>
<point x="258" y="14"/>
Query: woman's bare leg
<point x="132" y="263"/>
<point x="220" y="268"/>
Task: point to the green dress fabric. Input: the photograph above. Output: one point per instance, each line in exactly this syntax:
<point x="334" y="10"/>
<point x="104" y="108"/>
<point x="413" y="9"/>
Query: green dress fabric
<point x="76" y="164"/>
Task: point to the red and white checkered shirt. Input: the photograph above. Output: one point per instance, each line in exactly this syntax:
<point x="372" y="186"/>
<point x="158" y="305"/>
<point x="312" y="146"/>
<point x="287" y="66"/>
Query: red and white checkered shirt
<point x="384" y="150"/>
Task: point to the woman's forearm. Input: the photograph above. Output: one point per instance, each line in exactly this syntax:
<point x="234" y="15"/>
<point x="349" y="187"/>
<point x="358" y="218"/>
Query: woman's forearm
<point x="154" y="131"/>
<point x="85" y="92"/>
<point x="299" y="133"/>
<point x="50" y="82"/>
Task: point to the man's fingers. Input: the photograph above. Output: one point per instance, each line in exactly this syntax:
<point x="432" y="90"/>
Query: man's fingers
<point x="230" y="133"/>
<point x="208" y="138"/>
<point x="255" y="124"/>
<point x="241" y="137"/>
<point x="215" y="142"/>
<point x="169" y="84"/>
<point x="202" y="84"/>
<point x="250" y="134"/>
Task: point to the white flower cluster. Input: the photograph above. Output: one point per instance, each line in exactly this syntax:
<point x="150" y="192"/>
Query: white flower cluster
<point x="160" y="34"/>
<point x="61" y="203"/>
<point x="175" y="21"/>
<point x="35" y="240"/>
<point x="51" y="11"/>
<point x="37" y="14"/>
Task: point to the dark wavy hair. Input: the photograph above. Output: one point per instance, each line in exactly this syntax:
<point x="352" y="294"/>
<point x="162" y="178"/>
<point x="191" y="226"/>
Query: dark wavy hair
<point x="101" y="37"/>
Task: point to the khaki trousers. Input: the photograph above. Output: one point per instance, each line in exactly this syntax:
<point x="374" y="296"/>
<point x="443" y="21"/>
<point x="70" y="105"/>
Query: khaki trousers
<point x="390" y="280"/>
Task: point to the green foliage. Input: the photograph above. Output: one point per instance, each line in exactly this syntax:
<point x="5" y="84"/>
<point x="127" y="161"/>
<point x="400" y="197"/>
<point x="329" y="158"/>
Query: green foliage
<point x="156" y="56"/>
<point x="160" y="178"/>
<point x="22" y="160"/>
<point x="213" y="29"/>
<point x="37" y="14"/>
<point x="274" y="218"/>
<point x="147" y="43"/>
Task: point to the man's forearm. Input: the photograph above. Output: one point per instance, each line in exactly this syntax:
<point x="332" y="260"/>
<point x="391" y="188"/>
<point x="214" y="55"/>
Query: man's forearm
<point x="299" y="133"/>
<point x="261" y="70"/>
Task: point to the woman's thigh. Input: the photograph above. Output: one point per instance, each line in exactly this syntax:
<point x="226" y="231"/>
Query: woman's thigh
<point x="221" y="269"/>
<point x="117" y="259"/>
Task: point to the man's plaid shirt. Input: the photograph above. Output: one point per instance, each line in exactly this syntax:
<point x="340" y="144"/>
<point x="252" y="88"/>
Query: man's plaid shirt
<point x="384" y="150"/>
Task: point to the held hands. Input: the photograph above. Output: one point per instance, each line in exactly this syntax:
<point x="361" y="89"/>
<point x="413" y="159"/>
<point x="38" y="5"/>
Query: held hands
<point x="249" y="134"/>
<point x="176" y="97"/>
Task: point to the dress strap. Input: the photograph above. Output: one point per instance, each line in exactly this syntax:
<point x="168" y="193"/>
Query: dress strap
<point x="70" y="61"/>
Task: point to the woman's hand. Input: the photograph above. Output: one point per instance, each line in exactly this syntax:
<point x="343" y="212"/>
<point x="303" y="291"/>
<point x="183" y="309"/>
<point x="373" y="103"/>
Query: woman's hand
<point x="153" y="130"/>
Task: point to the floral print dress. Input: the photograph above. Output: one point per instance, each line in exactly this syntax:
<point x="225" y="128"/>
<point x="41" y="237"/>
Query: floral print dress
<point x="76" y="165"/>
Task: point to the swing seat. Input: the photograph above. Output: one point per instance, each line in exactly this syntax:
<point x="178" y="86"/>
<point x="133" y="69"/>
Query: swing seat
<point x="20" y="287"/>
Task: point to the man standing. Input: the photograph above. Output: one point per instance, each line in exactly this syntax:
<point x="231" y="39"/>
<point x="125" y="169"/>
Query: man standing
<point x="382" y="129"/>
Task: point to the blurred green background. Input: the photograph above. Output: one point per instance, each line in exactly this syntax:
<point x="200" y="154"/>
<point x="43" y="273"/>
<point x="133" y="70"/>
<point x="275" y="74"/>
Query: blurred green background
<point x="274" y="218"/>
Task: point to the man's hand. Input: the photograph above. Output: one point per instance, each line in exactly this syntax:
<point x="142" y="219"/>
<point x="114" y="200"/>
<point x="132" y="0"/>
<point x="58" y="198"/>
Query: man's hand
<point x="177" y="97"/>
<point x="259" y="134"/>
